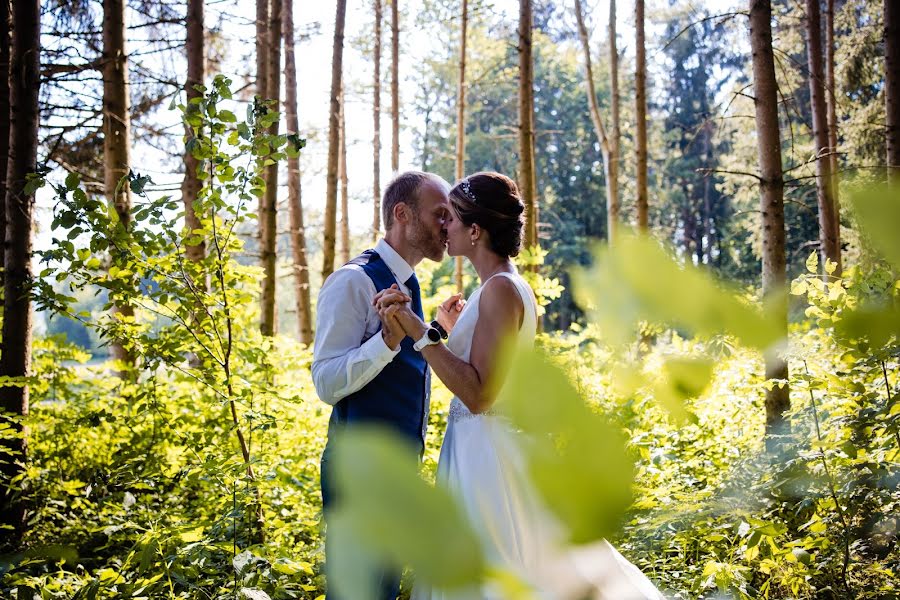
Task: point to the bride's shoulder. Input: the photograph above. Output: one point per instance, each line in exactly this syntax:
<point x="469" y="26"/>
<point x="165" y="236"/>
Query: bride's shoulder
<point x="501" y="292"/>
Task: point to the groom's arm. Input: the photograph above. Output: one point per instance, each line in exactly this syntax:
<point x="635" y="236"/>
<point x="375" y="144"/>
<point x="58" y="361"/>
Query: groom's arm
<point x="344" y="360"/>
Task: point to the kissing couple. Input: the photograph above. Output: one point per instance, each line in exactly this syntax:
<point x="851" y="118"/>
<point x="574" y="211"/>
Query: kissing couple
<point x="373" y="358"/>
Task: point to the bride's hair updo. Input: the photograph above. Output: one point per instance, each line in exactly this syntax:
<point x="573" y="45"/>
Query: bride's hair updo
<point x="491" y="200"/>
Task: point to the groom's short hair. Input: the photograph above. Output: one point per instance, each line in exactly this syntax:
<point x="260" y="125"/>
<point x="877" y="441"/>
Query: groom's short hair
<point x="405" y="188"/>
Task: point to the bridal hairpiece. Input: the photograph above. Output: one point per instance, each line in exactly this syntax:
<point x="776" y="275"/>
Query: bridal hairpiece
<point x="467" y="190"/>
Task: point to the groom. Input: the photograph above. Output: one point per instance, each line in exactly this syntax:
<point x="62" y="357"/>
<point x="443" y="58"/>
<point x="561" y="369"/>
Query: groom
<point x="368" y="371"/>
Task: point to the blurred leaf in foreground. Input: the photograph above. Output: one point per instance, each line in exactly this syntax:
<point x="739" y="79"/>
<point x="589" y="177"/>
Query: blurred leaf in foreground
<point x="637" y="280"/>
<point x="877" y="211"/>
<point x="577" y="461"/>
<point x="386" y="510"/>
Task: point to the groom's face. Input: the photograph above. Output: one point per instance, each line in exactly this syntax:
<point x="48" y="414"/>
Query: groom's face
<point x="429" y="226"/>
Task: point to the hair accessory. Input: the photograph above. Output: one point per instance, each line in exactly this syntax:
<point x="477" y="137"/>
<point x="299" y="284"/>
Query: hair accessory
<point x="467" y="190"/>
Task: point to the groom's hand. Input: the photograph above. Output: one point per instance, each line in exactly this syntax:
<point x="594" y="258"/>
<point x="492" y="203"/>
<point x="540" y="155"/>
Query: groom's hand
<point x="389" y="296"/>
<point x="391" y="331"/>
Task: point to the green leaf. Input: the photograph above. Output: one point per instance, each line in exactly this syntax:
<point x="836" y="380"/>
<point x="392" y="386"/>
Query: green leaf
<point x="812" y="262"/>
<point x="576" y="459"/>
<point x="389" y="511"/>
<point x="878" y="213"/>
<point x="72" y="181"/>
<point x="226" y="116"/>
<point x="637" y="281"/>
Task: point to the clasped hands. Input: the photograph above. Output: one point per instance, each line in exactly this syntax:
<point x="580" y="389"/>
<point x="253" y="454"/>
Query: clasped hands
<point x="398" y="319"/>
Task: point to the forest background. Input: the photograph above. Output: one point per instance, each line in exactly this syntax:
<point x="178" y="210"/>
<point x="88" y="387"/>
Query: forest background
<point x="181" y="178"/>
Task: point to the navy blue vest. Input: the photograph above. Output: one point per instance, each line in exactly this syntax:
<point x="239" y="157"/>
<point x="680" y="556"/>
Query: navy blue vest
<point x="397" y="397"/>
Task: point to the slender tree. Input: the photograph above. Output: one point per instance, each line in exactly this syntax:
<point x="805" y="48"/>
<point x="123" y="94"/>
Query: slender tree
<point x="190" y="186"/>
<point x="337" y="57"/>
<point x="376" y="121"/>
<point x="295" y="204"/>
<point x="827" y="226"/>
<point x="612" y="215"/>
<point x="395" y="86"/>
<point x="15" y="360"/>
<point x="116" y="132"/>
<point x="4" y="125"/>
<point x="892" y="86"/>
<point x="461" y="121"/>
<point x="831" y="102"/>
<point x="262" y="45"/>
<point x="269" y="215"/>
<point x="606" y="144"/>
<point x="640" y="109"/>
<point x="527" y="175"/>
<point x="342" y="176"/>
<point x="771" y="205"/>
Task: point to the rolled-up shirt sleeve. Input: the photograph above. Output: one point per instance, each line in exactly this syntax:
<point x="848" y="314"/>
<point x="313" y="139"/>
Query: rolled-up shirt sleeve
<point x="344" y="360"/>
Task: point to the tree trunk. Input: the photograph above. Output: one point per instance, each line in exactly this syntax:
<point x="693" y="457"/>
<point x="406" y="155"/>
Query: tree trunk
<point x="612" y="214"/>
<point x="269" y="214"/>
<point x="337" y="57"/>
<point x="116" y="132"/>
<point x="527" y="175"/>
<point x="640" y="101"/>
<point x="15" y="361"/>
<point x="612" y="200"/>
<point x="295" y="204"/>
<point x="342" y="174"/>
<point x="829" y="247"/>
<point x="461" y="122"/>
<point x="395" y="86"/>
<point x="4" y="128"/>
<point x="376" y="121"/>
<point x="831" y="102"/>
<point x="190" y="186"/>
<point x="892" y="86"/>
<point x="262" y="47"/>
<point x="771" y="206"/>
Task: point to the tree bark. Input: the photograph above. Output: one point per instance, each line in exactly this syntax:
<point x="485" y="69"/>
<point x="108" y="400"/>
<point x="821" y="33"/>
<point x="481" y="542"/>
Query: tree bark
<point x="117" y="133"/>
<point x="190" y="186"/>
<point x="4" y="126"/>
<point x="461" y="122"/>
<point x="269" y="214"/>
<point x="395" y="86"/>
<point x="342" y="174"/>
<point x="831" y="102"/>
<point x="527" y="175"/>
<point x="892" y="86"/>
<point x="376" y="121"/>
<point x="640" y="102"/>
<point x="612" y="200"/>
<point x="771" y="207"/>
<point x="262" y="47"/>
<point x="612" y="214"/>
<point x="337" y="56"/>
<point x="829" y="247"/>
<point x="15" y="361"/>
<point x="295" y="204"/>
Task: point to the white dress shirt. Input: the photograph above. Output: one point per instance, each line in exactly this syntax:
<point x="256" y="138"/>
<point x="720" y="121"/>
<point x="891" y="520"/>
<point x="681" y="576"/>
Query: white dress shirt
<point x="349" y="350"/>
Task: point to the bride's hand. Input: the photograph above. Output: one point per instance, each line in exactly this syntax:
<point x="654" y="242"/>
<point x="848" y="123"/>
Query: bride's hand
<point x="449" y="310"/>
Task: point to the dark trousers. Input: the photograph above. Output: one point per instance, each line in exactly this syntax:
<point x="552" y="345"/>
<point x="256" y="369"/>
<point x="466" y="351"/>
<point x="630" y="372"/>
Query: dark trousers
<point x="387" y="581"/>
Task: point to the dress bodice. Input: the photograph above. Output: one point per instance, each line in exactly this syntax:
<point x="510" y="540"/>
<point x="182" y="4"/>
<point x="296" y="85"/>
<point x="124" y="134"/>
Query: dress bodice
<point x="460" y="340"/>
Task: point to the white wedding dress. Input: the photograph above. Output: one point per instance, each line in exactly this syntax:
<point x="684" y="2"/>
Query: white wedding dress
<point x="482" y="466"/>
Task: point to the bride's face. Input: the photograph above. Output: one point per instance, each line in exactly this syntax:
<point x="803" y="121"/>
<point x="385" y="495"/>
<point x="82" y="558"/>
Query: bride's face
<point x="458" y="238"/>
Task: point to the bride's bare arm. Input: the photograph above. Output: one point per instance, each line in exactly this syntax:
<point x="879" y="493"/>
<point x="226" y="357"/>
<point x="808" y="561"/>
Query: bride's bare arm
<point x="500" y="313"/>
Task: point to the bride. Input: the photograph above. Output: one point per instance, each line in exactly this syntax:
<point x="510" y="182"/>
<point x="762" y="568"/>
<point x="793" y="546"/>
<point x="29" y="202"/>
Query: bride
<point x="480" y="462"/>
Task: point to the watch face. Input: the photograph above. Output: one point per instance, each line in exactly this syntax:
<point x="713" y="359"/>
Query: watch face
<point x="434" y="335"/>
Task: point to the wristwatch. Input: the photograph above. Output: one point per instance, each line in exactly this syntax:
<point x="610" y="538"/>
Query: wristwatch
<point x="431" y="336"/>
<point x="440" y="329"/>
